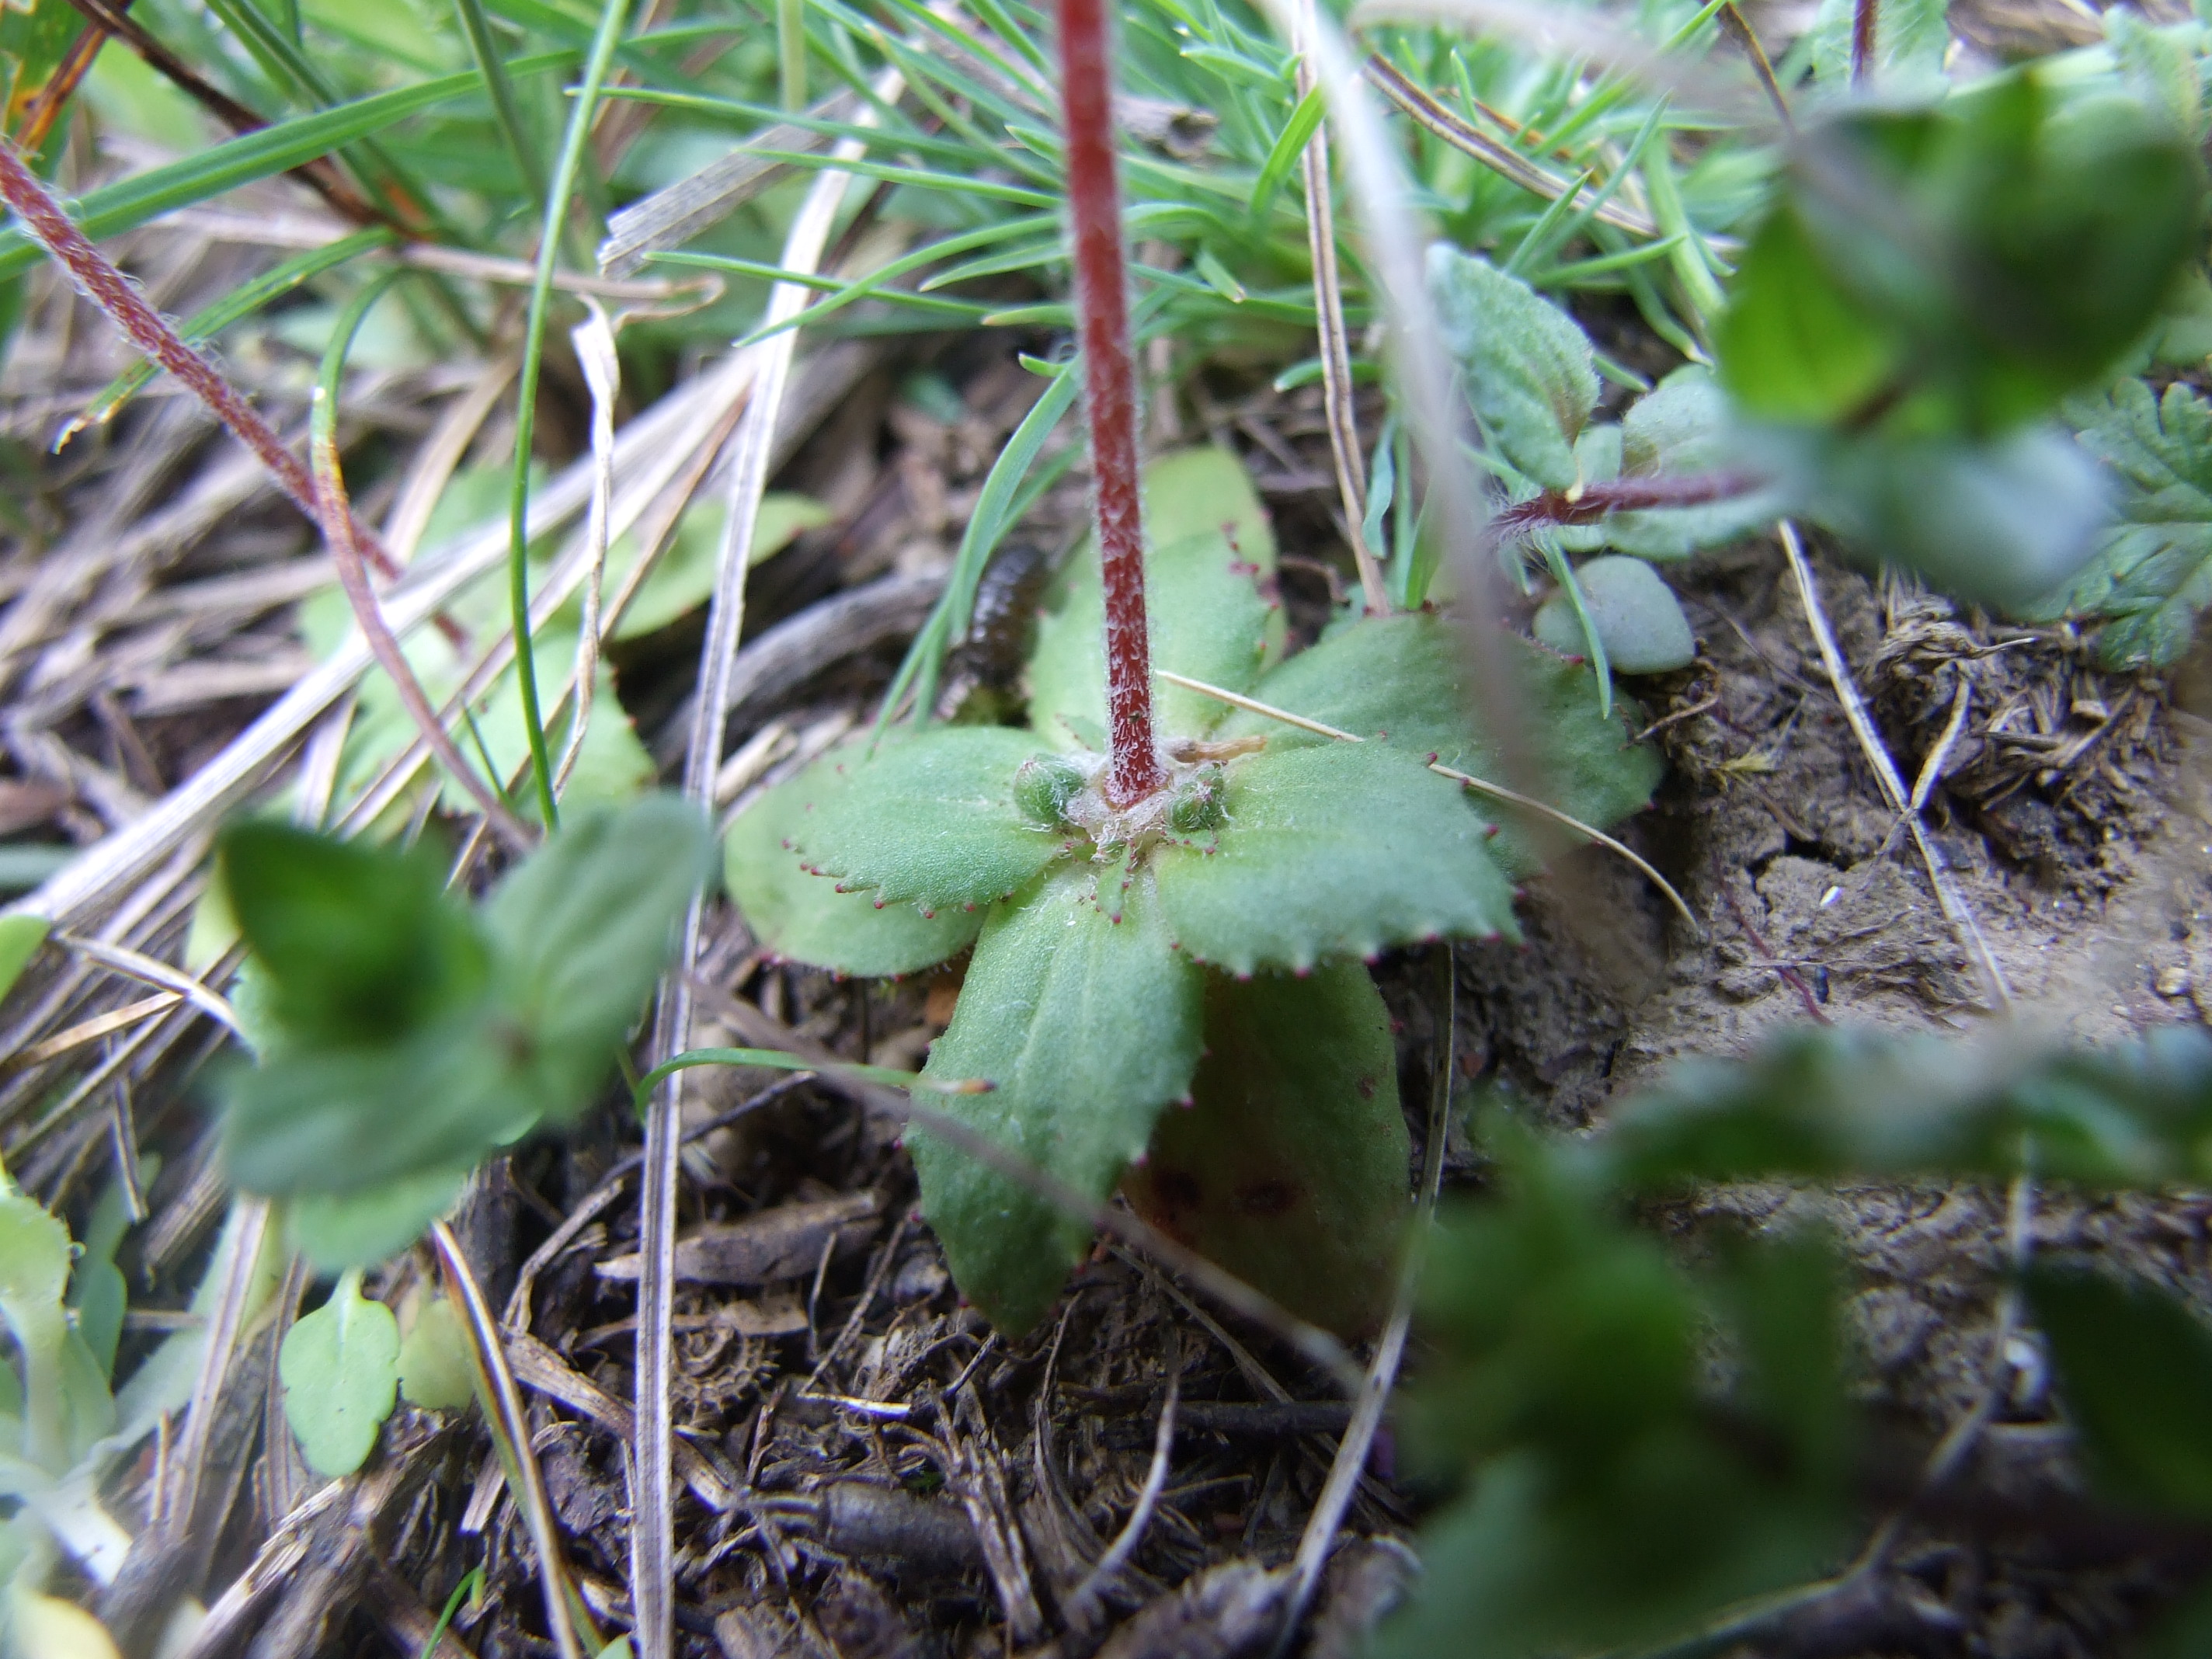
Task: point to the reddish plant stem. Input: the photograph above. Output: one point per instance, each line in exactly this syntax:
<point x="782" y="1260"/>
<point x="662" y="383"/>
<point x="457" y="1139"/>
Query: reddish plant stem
<point x="1595" y="500"/>
<point x="107" y="288"/>
<point x="1109" y="385"/>
<point x="1866" y="17"/>
<point x="337" y="522"/>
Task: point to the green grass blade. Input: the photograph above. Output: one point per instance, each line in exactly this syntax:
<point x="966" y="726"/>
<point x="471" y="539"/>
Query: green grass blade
<point x="1297" y="132"/>
<point x="613" y="17"/>
<point x="1606" y="265"/>
<point x="846" y="292"/>
<point x="500" y="90"/>
<point x="1538" y="233"/>
<point x="791" y="52"/>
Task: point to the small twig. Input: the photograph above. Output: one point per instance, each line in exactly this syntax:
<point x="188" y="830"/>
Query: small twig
<point x="1501" y="158"/>
<point x="1703" y="706"/>
<point x="1589" y="502"/>
<point x="1351" y="1461"/>
<point x="1738" y="28"/>
<point x="868" y="1292"/>
<point x="320" y="175"/>
<point x="1963" y="927"/>
<point x="565" y="1612"/>
<point x="1466" y="779"/>
<point x="1335" y="349"/>
<point x="1082" y="1607"/>
<point x="239" y="1270"/>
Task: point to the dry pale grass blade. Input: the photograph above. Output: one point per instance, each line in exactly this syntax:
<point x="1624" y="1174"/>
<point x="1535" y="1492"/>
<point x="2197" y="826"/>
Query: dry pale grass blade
<point x="594" y="339"/>
<point x="138" y="966"/>
<point x="90" y="1030"/>
<point x="1466" y="779"/>
<point x="1570" y="32"/>
<point x="434" y="464"/>
<point x="1376" y="183"/>
<point x="109" y="868"/>
<point x="1351" y="1460"/>
<point x="653" y="1543"/>
<point x="565" y="1615"/>
<point x="671" y="296"/>
<point x="1446" y="124"/>
<point x="670" y="217"/>
<point x="241" y="1269"/>
<point x="1335" y="349"/>
<point x="655" y="488"/>
<point x="1964" y="925"/>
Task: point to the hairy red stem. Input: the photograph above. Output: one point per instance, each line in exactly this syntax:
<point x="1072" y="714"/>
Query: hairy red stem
<point x="1866" y="16"/>
<point x="107" y="288"/>
<point x="1109" y="386"/>
<point x="337" y="522"/>
<point x="1625" y="495"/>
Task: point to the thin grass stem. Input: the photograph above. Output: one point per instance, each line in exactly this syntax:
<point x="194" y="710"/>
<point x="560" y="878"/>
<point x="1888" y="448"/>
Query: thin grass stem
<point x="613" y="16"/>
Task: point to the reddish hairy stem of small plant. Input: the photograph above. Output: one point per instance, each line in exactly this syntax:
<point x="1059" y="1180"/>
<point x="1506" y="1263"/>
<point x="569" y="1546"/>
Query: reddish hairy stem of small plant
<point x="336" y="518"/>
<point x="107" y="288"/>
<point x="1110" y="387"/>
<point x="1866" y="17"/>
<point x="1595" y="500"/>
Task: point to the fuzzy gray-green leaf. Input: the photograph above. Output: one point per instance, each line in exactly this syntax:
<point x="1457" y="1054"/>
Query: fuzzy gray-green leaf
<point x="1085" y="1026"/>
<point x="1636" y="616"/>
<point x="1406" y="678"/>
<point x="1340" y="849"/>
<point x="931" y="821"/>
<point x="1526" y="362"/>
<point x="803" y="916"/>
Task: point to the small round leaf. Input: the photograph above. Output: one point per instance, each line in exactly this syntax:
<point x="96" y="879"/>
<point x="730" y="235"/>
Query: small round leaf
<point x="340" y="1366"/>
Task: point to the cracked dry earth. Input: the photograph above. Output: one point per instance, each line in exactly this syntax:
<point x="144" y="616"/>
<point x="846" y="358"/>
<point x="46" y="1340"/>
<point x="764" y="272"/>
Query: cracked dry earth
<point x="2072" y="811"/>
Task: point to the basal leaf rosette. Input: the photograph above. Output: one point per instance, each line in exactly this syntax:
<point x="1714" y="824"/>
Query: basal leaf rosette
<point x="1098" y="931"/>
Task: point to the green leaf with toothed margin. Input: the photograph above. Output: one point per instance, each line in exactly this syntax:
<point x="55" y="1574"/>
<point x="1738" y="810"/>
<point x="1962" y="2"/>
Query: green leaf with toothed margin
<point x="804" y="917"/>
<point x="931" y="821"/>
<point x="1341" y="849"/>
<point x="1406" y="679"/>
<point x="1085" y="1026"/>
<point x="1209" y="556"/>
<point x="1289" y="1168"/>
